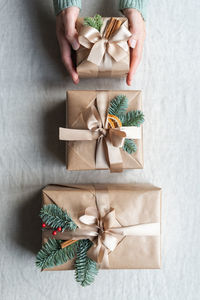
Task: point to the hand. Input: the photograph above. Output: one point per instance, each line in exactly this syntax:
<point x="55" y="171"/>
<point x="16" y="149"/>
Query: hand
<point x="68" y="37"/>
<point x="137" y="28"/>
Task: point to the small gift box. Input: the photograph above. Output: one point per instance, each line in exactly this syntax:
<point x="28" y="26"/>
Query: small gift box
<point x="112" y="226"/>
<point x="104" y="51"/>
<point x="104" y="130"/>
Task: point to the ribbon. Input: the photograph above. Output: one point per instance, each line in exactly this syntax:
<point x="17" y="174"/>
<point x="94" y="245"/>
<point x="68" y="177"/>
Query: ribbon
<point x="105" y="231"/>
<point x="102" y="50"/>
<point x="96" y="121"/>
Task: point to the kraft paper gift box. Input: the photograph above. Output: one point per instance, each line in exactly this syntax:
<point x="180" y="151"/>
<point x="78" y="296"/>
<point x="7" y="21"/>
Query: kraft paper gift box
<point x="81" y="155"/>
<point x="100" y="57"/>
<point x="134" y="205"/>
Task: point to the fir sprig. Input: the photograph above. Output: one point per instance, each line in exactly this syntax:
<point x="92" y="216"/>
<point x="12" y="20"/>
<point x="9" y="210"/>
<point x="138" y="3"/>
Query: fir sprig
<point x="118" y="105"/>
<point x="95" y="22"/>
<point x="85" y="268"/>
<point x="129" y="146"/>
<point x="52" y="254"/>
<point x="55" y="217"/>
<point x="132" y="118"/>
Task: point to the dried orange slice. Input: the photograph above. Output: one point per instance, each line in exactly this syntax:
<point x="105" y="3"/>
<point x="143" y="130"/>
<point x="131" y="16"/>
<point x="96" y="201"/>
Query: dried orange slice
<point x="114" y="121"/>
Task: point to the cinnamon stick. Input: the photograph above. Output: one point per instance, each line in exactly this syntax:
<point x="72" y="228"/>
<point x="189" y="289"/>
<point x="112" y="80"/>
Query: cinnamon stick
<point x="67" y="243"/>
<point x="109" y="27"/>
<point x="113" y="26"/>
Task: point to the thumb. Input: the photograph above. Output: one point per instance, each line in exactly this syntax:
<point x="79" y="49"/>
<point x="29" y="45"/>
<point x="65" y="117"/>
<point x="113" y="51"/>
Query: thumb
<point x="71" y="33"/>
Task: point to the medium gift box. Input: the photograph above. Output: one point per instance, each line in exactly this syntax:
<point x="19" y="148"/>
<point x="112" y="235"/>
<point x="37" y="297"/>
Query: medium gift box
<point x="104" y="51"/>
<point x="121" y="223"/>
<point x="104" y="130"/>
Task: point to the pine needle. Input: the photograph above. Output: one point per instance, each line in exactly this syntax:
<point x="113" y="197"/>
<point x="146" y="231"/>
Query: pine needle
<point x="52" y="254"/>
<point x="118" y="105"/>
<point x="95" y="22"/>
<point x="54" y="216"/>
<point x="129" y="146"/>
<point x="85" y="268"/>
<point x="132" y="118"/>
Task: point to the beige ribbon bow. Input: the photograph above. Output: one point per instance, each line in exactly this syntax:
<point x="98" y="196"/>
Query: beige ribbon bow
<point x="103" y="50"/>
<point x="97" y="124"/>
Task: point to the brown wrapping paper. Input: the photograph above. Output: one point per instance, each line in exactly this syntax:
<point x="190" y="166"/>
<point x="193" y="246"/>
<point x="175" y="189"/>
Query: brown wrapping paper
<point x="133" y="204"/>
<point x="87" y="69"/>
<point x="80" y="155"/>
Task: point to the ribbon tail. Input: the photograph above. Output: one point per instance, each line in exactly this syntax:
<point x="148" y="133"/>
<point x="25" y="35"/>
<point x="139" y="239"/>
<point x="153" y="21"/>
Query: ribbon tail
<point x="114" y="157"/>
<point x="149" y="229"/>
<point x="68" y="134"/>
<point x="97" y="52"/>
<point x="99" y="254"/>
<point x="116" y="52"/>
<point x="101" y="162"/>
<point x="106" y="63"/>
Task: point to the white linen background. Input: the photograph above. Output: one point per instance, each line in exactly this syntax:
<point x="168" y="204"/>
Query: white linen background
<point x="32" y="94"/>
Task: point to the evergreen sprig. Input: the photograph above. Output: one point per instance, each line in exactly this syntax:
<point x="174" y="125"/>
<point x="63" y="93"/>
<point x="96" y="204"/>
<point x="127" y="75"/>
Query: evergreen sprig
<point x="95" y="22"/>
<point x="132" y="118"/>
<point x="52" y="254"/>
<point x="118" y="106"/>
<point x="54" y="216"/>
<point x="85" y="268"/>
<point x="129" y="146"/>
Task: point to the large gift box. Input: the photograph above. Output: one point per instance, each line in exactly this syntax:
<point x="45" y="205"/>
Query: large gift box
<point x="92" y="143"/>
<point x="121" y="220"/>
<point x="104" y="52"/>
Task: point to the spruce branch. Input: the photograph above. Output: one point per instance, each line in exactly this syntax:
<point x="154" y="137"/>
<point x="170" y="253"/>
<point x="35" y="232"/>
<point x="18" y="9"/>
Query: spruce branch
<point x="85" y="268"/>
<point x="54" y="216"/>
<point x="52" y="254"/>
<point x="118" y="106"/>
<point x="132" y="118"/>
<point x="95" y="22"/>
<point x="129" y="146"/>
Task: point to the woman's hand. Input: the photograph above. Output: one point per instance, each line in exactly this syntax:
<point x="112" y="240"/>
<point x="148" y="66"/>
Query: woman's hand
<point x="136" y="42"/>
<point x="67" y="37"/>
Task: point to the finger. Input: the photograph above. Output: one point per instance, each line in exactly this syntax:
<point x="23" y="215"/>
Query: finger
<point x="70" y="31"/>
<point x="66" y="58"/>
<point x="135" y="58"/>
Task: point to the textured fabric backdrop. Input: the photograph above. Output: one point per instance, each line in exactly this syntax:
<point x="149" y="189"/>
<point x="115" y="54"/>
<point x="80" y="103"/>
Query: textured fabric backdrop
<point x="32" y="95"/>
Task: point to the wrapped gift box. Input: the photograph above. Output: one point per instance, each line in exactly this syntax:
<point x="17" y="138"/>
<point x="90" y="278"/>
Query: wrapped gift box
<point x="134" y="204"/>
<point x="98" y="57"/>
<point x="81" y="155"/>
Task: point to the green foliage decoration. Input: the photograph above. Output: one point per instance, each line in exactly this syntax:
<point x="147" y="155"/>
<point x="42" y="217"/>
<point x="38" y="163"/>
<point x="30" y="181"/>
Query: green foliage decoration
<point x="55" y="217"/>
<point x="95" y="22"/>
<point x="52" y="254"/>
<point x="132" y="118"/>
<point x="129" y="146"/>
<point x="118" y="106"/>
<point x="85" y="268"/>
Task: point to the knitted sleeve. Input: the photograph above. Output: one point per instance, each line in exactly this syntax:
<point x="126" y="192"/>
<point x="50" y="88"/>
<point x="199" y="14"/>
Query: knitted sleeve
<point x="140" y="5"/>
<point x="59" y="5"/>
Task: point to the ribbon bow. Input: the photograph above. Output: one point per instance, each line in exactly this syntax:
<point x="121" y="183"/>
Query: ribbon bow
<point x="96" y="121"/>
<point x="103" y="50"/>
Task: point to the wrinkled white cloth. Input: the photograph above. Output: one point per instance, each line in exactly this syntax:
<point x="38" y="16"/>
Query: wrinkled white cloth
<point x="32" y="95"/>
